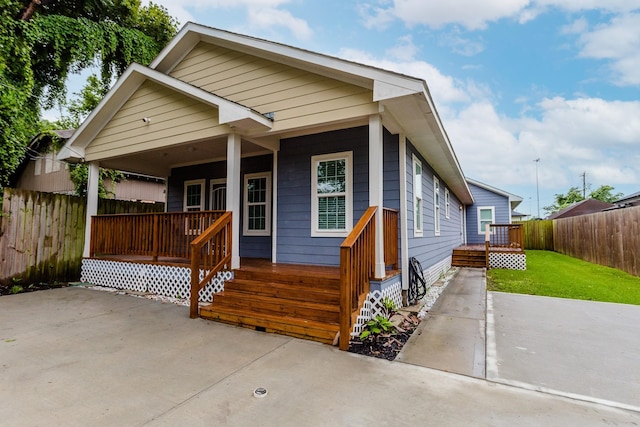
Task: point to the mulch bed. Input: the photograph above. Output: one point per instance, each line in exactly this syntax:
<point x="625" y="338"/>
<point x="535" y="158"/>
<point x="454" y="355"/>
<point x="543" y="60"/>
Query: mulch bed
<point x="17" y="288"/>
<point x="387" y="346"/>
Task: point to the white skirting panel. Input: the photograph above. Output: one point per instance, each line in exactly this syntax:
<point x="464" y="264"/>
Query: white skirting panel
<point x="167" y="280"/>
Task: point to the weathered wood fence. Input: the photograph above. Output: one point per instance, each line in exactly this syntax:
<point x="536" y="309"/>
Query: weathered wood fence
<point x="538" y="235"/>
<point x="42" y="234"/>
<point x="610" y="238"/>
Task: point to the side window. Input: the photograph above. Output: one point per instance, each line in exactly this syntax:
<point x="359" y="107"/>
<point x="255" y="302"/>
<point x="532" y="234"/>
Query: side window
<point x="417" y="196"/>
<point x="447" y="209"/>
<point x="331" y="195"/>
<point x="257" y="204"/>
<point x="486" y="216"/>
<point x="436" y="205"/>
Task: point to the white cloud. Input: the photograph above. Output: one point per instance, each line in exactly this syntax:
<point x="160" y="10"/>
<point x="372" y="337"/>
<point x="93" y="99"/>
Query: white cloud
<point x="261" y="14"/>
<point x="461" y="45"/>
<point x="405" y="50"/>
<point x="619" y="42"/>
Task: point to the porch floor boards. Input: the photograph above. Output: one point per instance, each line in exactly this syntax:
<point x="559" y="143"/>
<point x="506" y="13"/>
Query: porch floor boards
<point x="302" y="301"/>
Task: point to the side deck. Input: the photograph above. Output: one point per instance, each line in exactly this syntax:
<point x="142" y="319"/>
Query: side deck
<point x="503" y="248"/>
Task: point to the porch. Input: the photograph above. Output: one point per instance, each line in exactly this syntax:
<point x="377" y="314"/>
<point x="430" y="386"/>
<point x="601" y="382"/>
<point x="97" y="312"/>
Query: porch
<point x="188" y="254"/>
<point x="503" y="248"/>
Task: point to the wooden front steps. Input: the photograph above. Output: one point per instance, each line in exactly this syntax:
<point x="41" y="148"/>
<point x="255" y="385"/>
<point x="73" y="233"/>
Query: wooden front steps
<point x="298" y="301"/>
<point x="469" y="257"/>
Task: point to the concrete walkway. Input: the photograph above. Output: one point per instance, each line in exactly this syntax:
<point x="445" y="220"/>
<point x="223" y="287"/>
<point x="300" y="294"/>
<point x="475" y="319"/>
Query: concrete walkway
<point x="452" y="335"/>
<point x="78" y="357"/>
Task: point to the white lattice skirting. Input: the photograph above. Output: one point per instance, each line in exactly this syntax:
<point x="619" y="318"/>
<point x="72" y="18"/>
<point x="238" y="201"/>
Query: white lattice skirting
<point x="507" y="260"/>
<point x="373" y="305"/>
<point x="167" y="280"/>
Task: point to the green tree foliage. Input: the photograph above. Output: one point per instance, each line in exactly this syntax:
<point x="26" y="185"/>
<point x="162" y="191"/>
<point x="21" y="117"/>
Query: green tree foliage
<point x="603" y="193"/>
<point x="42" y="42"/>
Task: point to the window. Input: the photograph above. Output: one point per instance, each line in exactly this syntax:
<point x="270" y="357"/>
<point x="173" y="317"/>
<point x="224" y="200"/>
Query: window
<point x="257" y="204"/>
<point x="218" y="194"/>
<point x="436" y="205"/>
<point x="447" y="210"/>
<point x="193" y="195"/>
<point x="331" y="195"/>
<point x="417" y="196"/>
<point x="486" y="216"/>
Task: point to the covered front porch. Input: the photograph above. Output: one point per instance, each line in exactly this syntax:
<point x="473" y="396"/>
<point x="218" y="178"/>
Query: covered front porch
<point x="188" y="255"/>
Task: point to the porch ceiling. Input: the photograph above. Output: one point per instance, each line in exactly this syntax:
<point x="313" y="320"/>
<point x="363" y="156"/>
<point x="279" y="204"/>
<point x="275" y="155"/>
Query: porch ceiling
<point x="159" y="162"/>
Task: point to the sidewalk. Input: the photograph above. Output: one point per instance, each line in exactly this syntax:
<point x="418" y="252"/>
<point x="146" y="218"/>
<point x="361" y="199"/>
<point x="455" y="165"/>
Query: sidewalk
<point x="452" y="336"/>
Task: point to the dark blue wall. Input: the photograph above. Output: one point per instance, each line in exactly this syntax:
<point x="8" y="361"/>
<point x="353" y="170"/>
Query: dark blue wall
<point x="295" y="244"/>
<point x="430" y="249"/>
<point x="485" y="198"/>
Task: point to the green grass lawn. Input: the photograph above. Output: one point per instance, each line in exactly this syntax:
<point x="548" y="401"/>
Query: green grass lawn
<point x="556" y="275"/>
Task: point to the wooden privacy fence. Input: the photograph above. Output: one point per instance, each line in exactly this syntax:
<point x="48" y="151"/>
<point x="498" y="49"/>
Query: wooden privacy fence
<point x="538" y="234"/>
<point x="610" y="238"/>
<point x="42" y="234"/>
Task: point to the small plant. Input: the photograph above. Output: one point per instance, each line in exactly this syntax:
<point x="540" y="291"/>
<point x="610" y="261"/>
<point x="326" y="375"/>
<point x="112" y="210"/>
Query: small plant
<point x="377" y="326"/>
<point x="389" y="306"/>
<point x="15" y="289"/>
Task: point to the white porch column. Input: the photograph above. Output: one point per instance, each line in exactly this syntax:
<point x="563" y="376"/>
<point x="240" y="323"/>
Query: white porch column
<point x="274" y="209"/>
<point x="376" y="180"/>
<point x="404" y="221"/>
<point x="234" y="182"/>
<point x="92" y="203"/>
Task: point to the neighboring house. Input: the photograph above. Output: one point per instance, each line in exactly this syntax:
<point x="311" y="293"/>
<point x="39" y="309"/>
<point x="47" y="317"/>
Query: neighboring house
<point x="518" y="216"/>
<point x="492" y="206"/>
<point x="583" y="207"/>
<point x="628" y="201"/>
<point x="40" y="170"/>
<point x="307" y="153"/>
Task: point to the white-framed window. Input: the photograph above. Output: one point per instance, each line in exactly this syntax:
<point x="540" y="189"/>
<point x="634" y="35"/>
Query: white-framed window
<point x="332" y="194"/>
<point x="193" y="195"/>
<point x="486" y="216"/>
<point x="257" y="204"/>
<point x="417" y="197"/>
<point x="436" y="205"/>
<point x="447" y="207"/>
<point x="218" y="194"/>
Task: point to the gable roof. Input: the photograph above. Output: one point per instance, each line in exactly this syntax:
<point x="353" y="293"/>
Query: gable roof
<point x="404" y="102"/>
<point x="514" y="200"/>
<point x="634" y="197"/>
<point x="583" y="207"/>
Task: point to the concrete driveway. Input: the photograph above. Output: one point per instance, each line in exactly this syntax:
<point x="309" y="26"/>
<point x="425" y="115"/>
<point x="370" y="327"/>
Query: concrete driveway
<point x="570" y="347"/>
<point x="78" y="357"/>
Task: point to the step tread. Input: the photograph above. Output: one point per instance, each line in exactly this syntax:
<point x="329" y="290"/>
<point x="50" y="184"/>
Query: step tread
<point x="244" y="297"/>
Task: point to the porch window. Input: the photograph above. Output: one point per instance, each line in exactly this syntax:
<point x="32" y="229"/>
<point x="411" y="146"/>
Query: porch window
<point x="193" y="195"/>
<point x="447" y="210"/>
<point x="417" y="196"/>
<point x="436" y="205"/>
<point x="218" y="194"/>
<point x="486" y="216"/>
<point x="332" y="194"/>
<point x="257" y="204"/>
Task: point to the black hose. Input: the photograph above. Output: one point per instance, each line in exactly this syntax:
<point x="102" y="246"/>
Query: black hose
<point x="417" y="284"/>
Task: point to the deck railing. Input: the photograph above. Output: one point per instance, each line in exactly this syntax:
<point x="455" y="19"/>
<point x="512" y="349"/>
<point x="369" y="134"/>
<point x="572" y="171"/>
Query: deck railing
<point x="506" y="236"/>
<point x="390" y="224"/>
<point x="357" y="263"/>
<point x="211" y="252"/>
<point x="150" y="234"/>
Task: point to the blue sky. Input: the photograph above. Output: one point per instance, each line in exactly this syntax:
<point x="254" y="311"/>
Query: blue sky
<point x="513" y="80"/>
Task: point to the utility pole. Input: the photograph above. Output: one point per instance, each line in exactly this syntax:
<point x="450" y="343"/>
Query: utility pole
<point x="537" y="187"/>
<point x="584" y="185"/>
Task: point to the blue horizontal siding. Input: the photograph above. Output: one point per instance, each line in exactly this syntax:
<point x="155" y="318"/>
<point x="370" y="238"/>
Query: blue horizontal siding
<point x="485" y="198"/>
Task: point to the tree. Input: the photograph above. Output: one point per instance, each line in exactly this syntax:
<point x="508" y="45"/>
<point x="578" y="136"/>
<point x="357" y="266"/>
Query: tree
<point x="43" y="41"/>
<point x="603" y="193"/>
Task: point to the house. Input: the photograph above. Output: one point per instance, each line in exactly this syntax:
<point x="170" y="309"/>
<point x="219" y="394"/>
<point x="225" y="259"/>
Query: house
<point x="628" y="201"/>
<point x="492" y="206"/>
<point x="41" y="171"/>
<point x="583" y="207"/>
<point x="299" y="185"/>
<point x="518" y="216"/>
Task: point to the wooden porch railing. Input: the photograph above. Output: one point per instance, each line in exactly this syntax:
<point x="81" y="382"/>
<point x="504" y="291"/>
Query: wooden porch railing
<point x="506" y="236"/>
<point x="211" y="252"/>
<point x="390" y="224"/>
<point x="357" y="263"/>
<point x="150" y="234"/>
